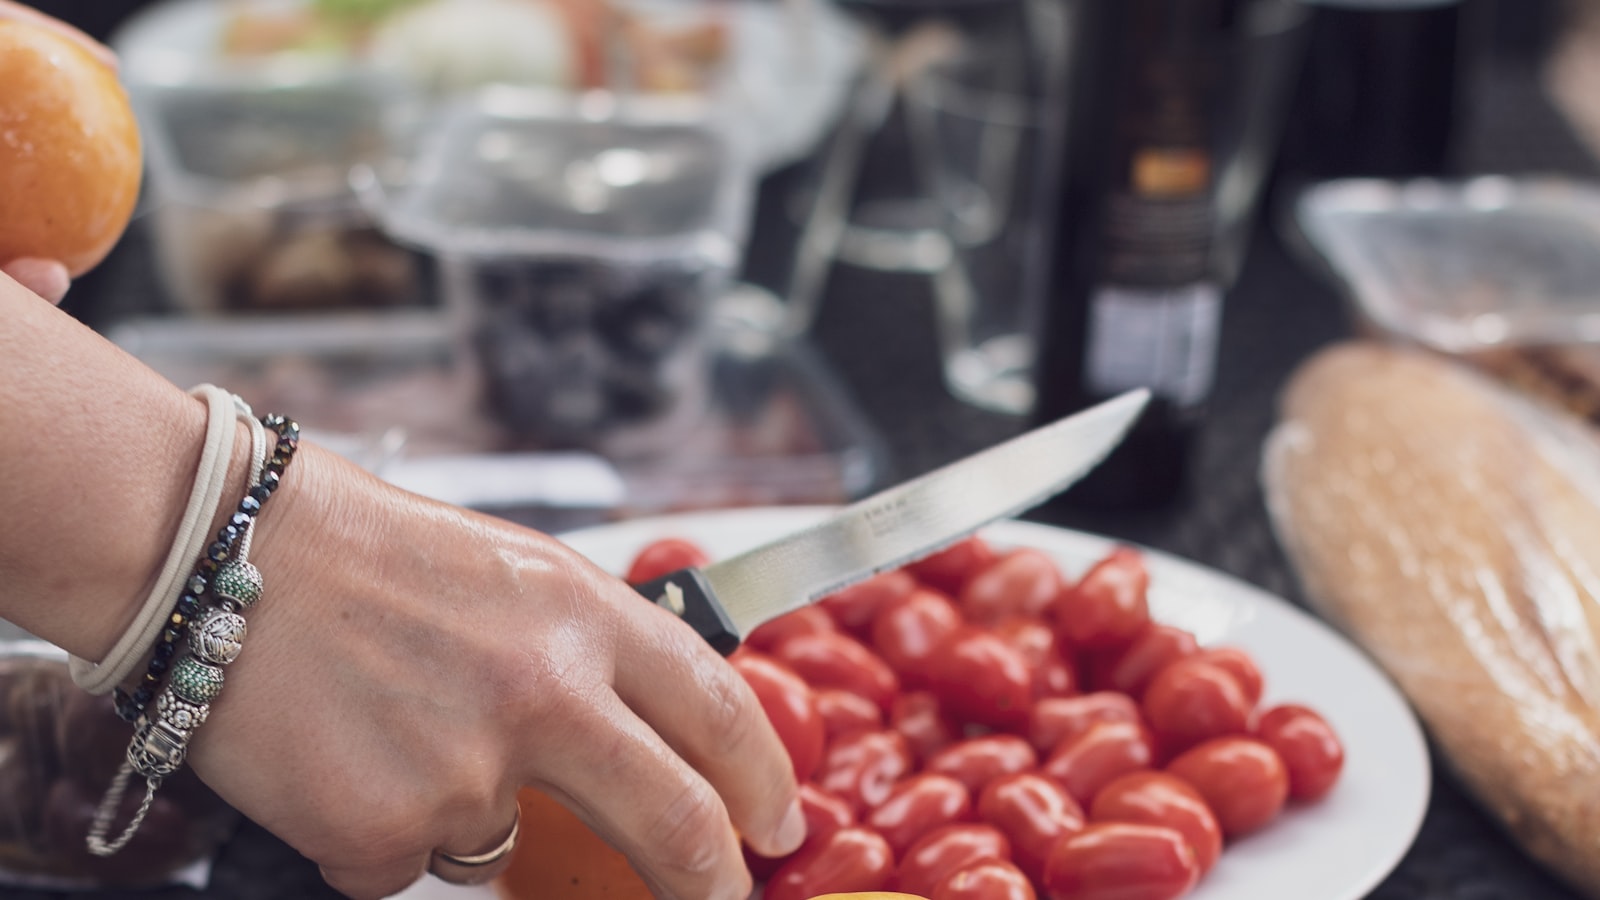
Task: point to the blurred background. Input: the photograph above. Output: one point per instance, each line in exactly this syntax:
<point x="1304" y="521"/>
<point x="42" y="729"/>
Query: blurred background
<point x="574" y="261"/>
<point x="721" y="252"/>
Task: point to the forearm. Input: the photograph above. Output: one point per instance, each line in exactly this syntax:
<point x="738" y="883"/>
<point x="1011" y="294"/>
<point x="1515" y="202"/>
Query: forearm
<point x="97" y="457"/>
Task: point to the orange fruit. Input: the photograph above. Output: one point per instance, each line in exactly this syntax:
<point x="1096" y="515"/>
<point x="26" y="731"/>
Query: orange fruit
<point x="559" y="858"/>
<point x="70" y="158"/>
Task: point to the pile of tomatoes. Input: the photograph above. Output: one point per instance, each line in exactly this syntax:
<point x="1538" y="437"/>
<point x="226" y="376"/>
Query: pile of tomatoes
<point x="975" y="726"/>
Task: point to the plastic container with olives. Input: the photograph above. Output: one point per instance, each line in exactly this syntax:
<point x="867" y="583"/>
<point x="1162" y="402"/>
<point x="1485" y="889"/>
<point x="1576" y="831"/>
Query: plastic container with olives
<point x="581" y="250"/>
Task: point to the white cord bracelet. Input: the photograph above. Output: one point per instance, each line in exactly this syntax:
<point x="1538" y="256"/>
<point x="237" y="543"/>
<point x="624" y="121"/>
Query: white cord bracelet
<point x="223" y="410"/>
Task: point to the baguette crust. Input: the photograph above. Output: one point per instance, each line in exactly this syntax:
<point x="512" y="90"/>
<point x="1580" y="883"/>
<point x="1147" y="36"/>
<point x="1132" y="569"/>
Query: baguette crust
<point x="1454" y="532"/>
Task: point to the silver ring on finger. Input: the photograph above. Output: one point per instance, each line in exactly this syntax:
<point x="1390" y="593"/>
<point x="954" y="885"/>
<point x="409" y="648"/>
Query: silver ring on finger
<point x="476" y="861"/>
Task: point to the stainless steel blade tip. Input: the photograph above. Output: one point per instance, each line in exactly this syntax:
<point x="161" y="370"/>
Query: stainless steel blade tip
<point x="920" y="516"/>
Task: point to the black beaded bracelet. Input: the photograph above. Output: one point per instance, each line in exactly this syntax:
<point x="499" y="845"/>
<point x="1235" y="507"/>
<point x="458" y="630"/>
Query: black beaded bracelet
<point x="130" y="706"/>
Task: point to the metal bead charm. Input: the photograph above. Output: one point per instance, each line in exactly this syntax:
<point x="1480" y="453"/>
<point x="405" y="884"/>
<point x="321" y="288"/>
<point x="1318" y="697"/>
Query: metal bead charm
<point x="196" y="681"/>
<point x="217" y="636"/>
<point x="238" y="581"/>
<point x="179" y="713"/>
<point x="157" y="750"/>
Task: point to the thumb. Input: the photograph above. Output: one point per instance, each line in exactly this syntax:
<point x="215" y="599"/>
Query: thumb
<point x="45" y="277"/>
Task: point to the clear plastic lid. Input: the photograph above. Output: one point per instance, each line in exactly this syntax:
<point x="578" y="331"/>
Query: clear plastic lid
<point x="270" y="145"/>
<point x="1465" y="266"/>
<point x="516" y="172"/>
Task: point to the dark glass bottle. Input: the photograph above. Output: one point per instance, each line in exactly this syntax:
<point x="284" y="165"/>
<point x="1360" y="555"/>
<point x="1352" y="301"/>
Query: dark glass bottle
<point x="1135" y="297"/>
<point x="1379" y="94"/>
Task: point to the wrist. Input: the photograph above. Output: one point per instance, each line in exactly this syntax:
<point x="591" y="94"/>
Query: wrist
<point x="240" y="454"/>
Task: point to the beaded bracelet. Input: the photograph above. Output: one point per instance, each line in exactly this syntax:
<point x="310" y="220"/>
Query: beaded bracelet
<point x="215" y="570"/>
<point x="160" y="742"/>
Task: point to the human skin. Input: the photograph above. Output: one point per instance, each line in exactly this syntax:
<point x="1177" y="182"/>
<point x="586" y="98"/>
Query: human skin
<point x="411" y="664"/>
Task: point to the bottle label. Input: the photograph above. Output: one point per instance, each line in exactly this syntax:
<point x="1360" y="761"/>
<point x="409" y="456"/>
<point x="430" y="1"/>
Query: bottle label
<point x="1164" y="339"/>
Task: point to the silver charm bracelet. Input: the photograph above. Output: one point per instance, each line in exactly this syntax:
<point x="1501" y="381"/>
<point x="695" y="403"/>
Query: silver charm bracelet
<point x="162" y="733"/>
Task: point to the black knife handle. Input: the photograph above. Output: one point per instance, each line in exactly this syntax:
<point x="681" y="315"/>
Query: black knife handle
<point x="688" y="595"/>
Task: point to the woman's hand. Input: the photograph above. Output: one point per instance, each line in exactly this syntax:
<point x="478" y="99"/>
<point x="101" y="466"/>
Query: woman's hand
<point x="411" y="665"/>
<point x="47" y="278"/>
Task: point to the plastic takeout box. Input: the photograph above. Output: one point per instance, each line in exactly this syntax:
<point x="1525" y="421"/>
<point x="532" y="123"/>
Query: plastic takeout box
<point x="1464" y="266"/>
<point x="579" y="248"/>
<point x="392" y="393"/>
<point x="250" y="192"/>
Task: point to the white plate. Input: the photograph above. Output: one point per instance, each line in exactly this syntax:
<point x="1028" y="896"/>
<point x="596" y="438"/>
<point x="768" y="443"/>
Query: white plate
<point x="1338" y="849"/>
<point x="790" y="72"/>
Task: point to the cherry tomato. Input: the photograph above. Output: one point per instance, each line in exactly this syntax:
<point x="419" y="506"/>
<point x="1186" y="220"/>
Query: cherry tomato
<point x="805" y="620"/>
<point x="945" y="851"/>
<point x="1056" y="678"/>
<point x="910" y="628"/>
<point x="790" y="707"/>
<point x="927" y="730"/>
<point x="1034" y="812"/>
<point x="663" y="557"/>
<point x="862" y="768"/>
<point x="1053" y="676"/>
<point x="846" y="711"/>
<point x="1107" y="608"/>
<point x="1022" y="582"/>
<point x="856" y="606"/>
<point x="1242" y="779"/>
<point x="1117" y="861"/>
<point x="1098" y="756"/>
<point x="1191" y="701"/>
<point x="850" y="859"/>
<point x="1131" y="670"/>
<point x="979" y="678"/>
<point x="918" y="805"/>
<point x="1309" y="747"/>
<point x="978" y="761"/>
<point x="949" y="569"/>
<point x="1033" y="640"/>
<point x="1237" y="663"/>
<point x="1098" y="666"/>
<point x="1158" y="798"/>
<point x="1054" y="721"/>
<point x="990" y="880"/>
<point x="824" y="814"/>
<point x="837" y="660"/>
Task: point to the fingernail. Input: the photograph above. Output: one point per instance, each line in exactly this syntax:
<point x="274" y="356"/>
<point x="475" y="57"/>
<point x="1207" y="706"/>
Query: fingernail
<point x="792" y="832"/>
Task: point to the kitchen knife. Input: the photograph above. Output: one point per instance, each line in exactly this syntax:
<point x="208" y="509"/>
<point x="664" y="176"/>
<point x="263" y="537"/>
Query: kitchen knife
<point x="726" y="600"/>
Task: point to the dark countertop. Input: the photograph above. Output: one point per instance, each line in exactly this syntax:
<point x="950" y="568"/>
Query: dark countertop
<point x="878" y="333"/>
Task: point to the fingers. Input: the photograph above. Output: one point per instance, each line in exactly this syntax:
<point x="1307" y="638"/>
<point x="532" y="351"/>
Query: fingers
<point x="481" y="860"/>
<point x="705" y="711"/>
<point x="45" y="277"/>
<point x="374" y="881"/>
<point x="615" y="773"/>
<point x="20" y="13"/>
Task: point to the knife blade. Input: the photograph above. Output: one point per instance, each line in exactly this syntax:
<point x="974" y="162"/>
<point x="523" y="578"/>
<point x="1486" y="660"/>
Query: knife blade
<point x="726" y="600"/>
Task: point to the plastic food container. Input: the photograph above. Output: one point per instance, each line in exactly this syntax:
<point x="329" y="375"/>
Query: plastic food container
<point x="395" y="393"/>
<point x="579" y="250"/>
<point x="250" y="197"/>
<point x="59" y="749"/>
<point x="1464" y="266"/>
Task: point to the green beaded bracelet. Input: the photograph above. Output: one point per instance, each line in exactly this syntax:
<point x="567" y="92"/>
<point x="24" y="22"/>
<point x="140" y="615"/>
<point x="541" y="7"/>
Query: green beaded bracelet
<point x="213" y="640"/>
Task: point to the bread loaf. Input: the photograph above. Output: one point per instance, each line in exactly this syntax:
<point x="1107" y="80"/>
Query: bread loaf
<point x="1452" y="528"/>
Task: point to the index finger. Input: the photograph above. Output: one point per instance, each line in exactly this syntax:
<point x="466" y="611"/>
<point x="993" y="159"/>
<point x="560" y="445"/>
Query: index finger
<point x="706" y="712"/>
<point x="16" y="12"/>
